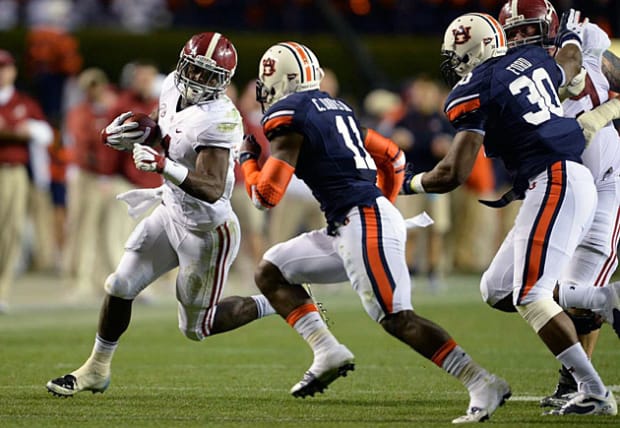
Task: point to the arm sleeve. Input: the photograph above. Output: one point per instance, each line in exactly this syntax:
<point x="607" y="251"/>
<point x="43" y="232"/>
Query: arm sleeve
<point x="390" y="162"/>
<point x="266" y="186"/>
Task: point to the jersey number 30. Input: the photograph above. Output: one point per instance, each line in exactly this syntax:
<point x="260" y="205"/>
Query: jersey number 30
<point x="541" y="93"/>
<point x="353" y="140"/>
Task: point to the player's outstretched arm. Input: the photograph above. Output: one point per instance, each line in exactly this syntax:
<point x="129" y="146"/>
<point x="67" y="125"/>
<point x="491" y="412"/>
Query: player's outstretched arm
<point x="452" y="170"/>
<point x="594" y="120"/>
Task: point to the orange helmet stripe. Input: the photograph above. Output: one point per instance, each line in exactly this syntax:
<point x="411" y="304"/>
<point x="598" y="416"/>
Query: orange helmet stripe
<point x="304" y="59"/>
<point x="496" y="25"/>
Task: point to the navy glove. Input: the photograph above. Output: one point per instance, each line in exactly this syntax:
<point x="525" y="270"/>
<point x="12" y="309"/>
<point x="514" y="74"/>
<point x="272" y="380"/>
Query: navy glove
<point x="249" y="149"/>
<point x="406" y="189"/>
<point x="570" y="28"/>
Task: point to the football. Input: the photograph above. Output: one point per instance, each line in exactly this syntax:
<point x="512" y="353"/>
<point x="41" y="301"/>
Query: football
<point x="147" y="125"/>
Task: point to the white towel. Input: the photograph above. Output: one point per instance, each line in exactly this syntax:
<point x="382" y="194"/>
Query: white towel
<point x="140" y="201"/>
<point x="420" y="220"/>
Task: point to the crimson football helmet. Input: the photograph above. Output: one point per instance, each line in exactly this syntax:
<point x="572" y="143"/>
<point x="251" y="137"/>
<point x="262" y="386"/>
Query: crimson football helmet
<point x="206" y="64"/>
<point x="535" y="20"/>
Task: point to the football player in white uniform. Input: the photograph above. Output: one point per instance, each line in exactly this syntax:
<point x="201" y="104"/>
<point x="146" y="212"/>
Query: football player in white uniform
<point x="194" y="228"/>
<point x="595" y="259"/>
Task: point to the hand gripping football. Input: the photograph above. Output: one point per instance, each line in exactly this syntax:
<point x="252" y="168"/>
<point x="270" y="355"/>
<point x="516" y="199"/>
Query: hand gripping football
<point x="152" y="133"/>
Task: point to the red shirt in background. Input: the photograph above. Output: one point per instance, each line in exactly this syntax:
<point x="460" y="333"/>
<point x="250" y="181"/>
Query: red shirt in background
<point x="18" y="109"/>
<point x="84" y="123"/>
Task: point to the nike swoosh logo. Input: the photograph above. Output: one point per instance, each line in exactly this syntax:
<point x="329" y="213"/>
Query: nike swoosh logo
<point x="178" y="131"/>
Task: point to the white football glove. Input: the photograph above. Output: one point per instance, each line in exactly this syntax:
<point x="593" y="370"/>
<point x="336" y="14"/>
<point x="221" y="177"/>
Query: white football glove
<point x="122" y="136"/>
<point x="592" y="121"/>
<point x="148" y="159"/>
<point x="575" y="24"/>
<point x="574" y="87"/>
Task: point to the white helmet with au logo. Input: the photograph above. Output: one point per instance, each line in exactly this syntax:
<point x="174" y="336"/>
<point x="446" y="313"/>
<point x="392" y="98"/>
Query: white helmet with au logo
<point x="285" y="68"/>
<point x="470" y="40"/>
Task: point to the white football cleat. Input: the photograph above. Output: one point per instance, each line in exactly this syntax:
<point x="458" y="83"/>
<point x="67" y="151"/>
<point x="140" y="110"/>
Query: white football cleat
<point x="71" y="384"/>
<point x="588" y="404"/>
<point x="493" y="395"/>
<point x="326" y="368"/>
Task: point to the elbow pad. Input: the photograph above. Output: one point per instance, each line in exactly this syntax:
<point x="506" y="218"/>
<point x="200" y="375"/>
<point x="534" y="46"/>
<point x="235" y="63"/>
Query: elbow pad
<point x="267" y="186"/>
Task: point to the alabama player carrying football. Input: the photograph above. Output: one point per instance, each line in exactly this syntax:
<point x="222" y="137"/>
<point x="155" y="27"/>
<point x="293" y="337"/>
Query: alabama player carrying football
<point x="319" y="139"/>
<point x="194" y="228"/>
<point x="507" y="101"/>
<point x="595" y="260"/>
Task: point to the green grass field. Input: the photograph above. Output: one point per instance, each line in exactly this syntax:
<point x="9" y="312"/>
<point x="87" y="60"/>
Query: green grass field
<point x="242" y="378"/>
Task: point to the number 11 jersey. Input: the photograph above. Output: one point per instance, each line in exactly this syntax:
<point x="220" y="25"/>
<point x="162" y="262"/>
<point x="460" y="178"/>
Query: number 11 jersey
<point x="333" y="161"/>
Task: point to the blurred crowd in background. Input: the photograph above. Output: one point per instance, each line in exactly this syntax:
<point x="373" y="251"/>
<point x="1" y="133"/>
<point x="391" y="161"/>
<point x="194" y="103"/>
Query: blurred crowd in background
<point x="67" y="220"/>
<point x="305" y="16"/>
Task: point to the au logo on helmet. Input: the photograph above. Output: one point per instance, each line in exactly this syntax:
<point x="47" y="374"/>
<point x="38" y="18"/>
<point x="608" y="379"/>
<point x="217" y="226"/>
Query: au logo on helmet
<point x="461" y="34"/>
<point x="269" y="67"/>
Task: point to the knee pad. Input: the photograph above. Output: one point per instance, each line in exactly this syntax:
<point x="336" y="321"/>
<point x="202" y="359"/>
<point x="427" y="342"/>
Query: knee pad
<point x="117" y="287"/>
<point x="484" y="290"/>
<point x="585" y="321"/>
<point x="539" y="313"/>
<point x="191" y="334"/>
<point x="193" y="322"/>
<point x="497" y="298"/>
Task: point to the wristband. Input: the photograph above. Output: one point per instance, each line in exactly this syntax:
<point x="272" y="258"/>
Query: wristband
<point x="175" y="172"/>
<point x="571" y="39"/>
<point x="416" y="183"/>
<point x="246" y="156"/>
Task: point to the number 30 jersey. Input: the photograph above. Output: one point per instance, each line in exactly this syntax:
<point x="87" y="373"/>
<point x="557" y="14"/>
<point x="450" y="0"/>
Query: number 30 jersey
<point x="512" y="100"/>
<point x="333" y="161"/>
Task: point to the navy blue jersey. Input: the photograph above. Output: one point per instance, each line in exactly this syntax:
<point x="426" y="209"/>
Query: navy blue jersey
<point x="513" y="101"/>
<point x="333" y="161"/>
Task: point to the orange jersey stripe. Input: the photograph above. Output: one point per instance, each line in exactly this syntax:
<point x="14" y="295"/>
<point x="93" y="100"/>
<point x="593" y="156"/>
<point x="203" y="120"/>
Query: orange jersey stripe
<point x="465" y="107"/>
<point x="299" y="312"/>
<point x="538" y="240"/>
<point x="376" y="268"/>
<point x="440" y="355"/>
<point x="277" y="121"/>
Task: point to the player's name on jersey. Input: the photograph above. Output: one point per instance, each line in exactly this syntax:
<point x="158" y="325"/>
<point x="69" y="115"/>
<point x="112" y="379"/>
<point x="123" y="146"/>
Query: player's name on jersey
<point x="519" y="65"/>
<point x="324" y="104"/>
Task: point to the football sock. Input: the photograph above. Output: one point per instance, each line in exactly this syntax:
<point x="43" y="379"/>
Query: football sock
<point x="576" y="361"/>
<point x="99" y="360"/>
<point x="460" y="365"/>
<point x="103" y="351"/>
<point x="307" y="321"/>
<point x="582" y="296"/>
<point x="263" y="307"/>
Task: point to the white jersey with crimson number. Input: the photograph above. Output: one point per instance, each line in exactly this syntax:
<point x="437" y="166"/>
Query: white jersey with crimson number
<point x="200" y="238"/>
<point x="595" y="259"/>
<point x="216" y="123"/>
